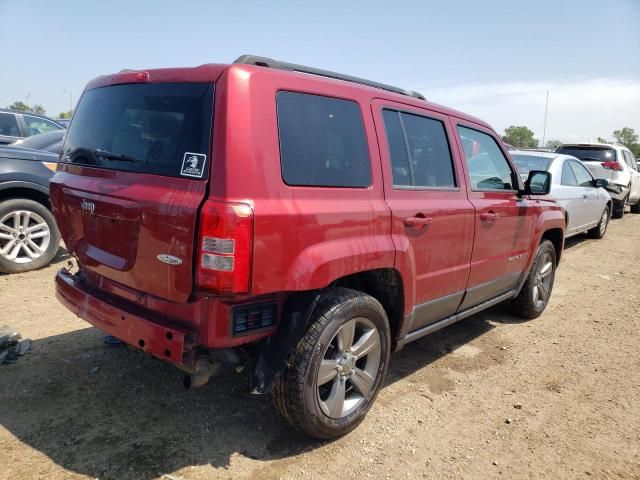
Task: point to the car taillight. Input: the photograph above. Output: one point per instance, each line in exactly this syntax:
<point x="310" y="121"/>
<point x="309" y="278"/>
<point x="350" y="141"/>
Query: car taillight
<point x="224" y="249"/>
<point x="612" y="165"/>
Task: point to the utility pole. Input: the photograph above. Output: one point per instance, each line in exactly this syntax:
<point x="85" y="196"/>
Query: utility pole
<point x="546" y="109"/>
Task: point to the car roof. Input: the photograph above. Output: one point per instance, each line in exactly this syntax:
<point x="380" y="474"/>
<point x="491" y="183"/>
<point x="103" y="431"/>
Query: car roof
<point x="530" y="153"/>
<point x="594" y="144"/>
<point x="212" y="72"/>
<point x="8" y="110"/>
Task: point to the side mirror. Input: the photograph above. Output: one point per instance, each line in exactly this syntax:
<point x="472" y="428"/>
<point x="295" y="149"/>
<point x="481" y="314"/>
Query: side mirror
<point x="601" y="183"/>
<point x="538" y="183"/>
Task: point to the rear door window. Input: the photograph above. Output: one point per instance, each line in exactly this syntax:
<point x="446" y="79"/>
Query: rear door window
<point x="419" y="151"/>
<point x="322" y="141"/>
<point x="487" y="165"/>
<point x="156" y="128"/>
<point x="583" y="176"/>
<point x="9" y="125"/>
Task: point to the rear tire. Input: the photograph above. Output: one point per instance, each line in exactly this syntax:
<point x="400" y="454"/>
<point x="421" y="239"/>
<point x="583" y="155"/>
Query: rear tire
<point x="599" y="230"/>
<point x="536" y="291"/>
<point x="618" y="208"/>
<point x="29" y="237"/>
<point x="337" y="368"/>
<point x="635" y="208"/>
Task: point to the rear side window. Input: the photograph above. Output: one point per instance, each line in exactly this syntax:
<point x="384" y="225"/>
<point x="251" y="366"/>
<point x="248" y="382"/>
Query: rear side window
<point x="629" y="159"/>
<point x="155" y="128"/>
<point x="487" y="165"/>
<point x="419" y="151"/>
<point x="322" y="141"/>
<point x="568" y="177"/>
<point x="9" y="125"/>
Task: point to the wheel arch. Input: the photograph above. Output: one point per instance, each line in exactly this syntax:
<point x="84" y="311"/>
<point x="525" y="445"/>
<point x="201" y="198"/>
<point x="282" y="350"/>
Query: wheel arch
<point x="27" y="190"/>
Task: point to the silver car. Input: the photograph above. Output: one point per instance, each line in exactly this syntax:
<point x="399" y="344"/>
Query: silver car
<point x="586" y="202"/>
<point x="614" y="163"/>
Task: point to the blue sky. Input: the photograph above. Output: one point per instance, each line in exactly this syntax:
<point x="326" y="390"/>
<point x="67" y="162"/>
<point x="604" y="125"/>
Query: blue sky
<point x="494" y="59"/>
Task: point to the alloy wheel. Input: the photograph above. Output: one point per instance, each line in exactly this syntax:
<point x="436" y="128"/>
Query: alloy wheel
<point x="24" y="236"/>
<point x="543" y="281"/>
<point x="604" y="220"/>
<point x="349" y="367"/>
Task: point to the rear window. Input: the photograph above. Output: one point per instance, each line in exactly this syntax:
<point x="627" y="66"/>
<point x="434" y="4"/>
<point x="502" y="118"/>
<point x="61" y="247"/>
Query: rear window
<point x="322" y="141"/>
<point x="526" y="163"/>
<point x="155" y="128"/>
<point x="588" y="153"/>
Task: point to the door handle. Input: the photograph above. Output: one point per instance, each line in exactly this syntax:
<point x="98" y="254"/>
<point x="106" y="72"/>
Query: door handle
<point x="489" y="217"/>
<point x="417" y="222"/>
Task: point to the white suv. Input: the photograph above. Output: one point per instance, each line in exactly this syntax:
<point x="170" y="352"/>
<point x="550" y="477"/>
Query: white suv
<point x="616" y="164"/>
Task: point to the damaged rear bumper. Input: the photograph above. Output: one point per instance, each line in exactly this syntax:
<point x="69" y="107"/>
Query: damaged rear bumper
<point x="157" y="337"/>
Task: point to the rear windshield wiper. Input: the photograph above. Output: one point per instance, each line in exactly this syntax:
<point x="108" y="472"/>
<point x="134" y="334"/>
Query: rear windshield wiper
<point x="116" y="156"/>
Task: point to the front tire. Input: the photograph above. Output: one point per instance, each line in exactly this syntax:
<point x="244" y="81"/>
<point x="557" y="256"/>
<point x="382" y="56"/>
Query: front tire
<point x="29" y="237"/>
<point x="599" y="230"/>
<point x="337" y="368"/>
<point x="536" y="291"/>
<point x="635" y="208"/>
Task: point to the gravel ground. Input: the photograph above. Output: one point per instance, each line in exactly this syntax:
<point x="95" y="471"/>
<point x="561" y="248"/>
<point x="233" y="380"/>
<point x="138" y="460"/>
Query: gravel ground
<point x="491" y="397"/>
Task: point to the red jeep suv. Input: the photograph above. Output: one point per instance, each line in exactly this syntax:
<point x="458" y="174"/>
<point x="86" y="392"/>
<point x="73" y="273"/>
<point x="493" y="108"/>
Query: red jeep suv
<point x="298" y="221"/>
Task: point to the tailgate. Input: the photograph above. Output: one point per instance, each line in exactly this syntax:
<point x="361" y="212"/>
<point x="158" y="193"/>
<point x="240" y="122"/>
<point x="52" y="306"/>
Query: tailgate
<point x="131" y="180"/>
<point x="597" y="170"/>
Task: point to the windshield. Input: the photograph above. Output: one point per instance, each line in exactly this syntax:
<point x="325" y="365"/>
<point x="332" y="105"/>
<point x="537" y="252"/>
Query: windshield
<point x="588" y="153"/>
<point x="526" y="163"/>
<point x="156" y="128"/>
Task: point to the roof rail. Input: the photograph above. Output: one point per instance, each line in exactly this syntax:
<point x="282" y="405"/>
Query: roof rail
<point x="271" y="63"/>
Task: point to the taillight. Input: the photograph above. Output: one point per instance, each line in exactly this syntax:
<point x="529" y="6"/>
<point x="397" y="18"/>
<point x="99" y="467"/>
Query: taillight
<point x="612" y="165"/>
<point x="224" y="249"/>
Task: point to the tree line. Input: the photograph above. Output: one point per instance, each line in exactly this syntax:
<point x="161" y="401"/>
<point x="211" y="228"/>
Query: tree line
<point x="522" y="137"/>
<point x="39" y="109"/>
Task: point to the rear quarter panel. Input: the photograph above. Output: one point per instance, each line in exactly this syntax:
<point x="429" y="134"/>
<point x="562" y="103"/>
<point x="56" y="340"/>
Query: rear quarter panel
<point x="304" y="237"/>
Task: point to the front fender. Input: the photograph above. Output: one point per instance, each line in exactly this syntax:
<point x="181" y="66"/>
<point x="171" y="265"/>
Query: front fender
<point x="320" y="264"/>
<point x="551" y="216"/>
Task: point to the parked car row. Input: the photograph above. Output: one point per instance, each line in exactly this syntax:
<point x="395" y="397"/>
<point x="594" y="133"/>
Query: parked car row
<point x="341" y="219"/>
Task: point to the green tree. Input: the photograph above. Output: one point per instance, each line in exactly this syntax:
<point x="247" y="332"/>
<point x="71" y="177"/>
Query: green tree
<point x="520" y="137"/>
<point x="39" y="109"/>
<point x="553" y="144"/>
<point x="602" y="140"/>
<point x="626" y="136"/>
<point x="68" y="114"/>
<point x="19" y="107"/>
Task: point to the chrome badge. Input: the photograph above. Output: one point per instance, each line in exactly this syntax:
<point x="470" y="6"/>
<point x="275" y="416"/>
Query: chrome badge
<point x="169" y="259"/>
<point x="88" y="207"/>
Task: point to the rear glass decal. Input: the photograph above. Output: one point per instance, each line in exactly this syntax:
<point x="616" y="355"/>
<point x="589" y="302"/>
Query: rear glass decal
<point x="193" y="164"/>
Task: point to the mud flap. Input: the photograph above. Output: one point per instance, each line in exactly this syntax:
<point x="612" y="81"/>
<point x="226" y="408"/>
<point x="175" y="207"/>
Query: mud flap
<point x="274" y="352"/>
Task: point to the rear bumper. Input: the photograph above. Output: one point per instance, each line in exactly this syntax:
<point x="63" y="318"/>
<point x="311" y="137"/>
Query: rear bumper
<point x="160" y="339"/>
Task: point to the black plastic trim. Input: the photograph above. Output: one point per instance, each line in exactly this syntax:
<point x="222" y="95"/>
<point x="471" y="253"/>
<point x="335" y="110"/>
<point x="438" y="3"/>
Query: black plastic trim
<point x="271" y="63"/>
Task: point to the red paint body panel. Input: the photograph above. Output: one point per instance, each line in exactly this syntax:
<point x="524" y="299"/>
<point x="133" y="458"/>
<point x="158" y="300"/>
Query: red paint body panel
<point x="304" y="238"/>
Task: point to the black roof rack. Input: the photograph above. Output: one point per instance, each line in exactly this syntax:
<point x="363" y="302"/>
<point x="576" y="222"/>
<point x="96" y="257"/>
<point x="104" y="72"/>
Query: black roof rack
<point x="271" y="63"/>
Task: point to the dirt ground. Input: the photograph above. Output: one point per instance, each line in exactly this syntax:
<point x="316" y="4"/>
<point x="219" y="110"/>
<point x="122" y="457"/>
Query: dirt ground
<point x="490" y="397"/>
